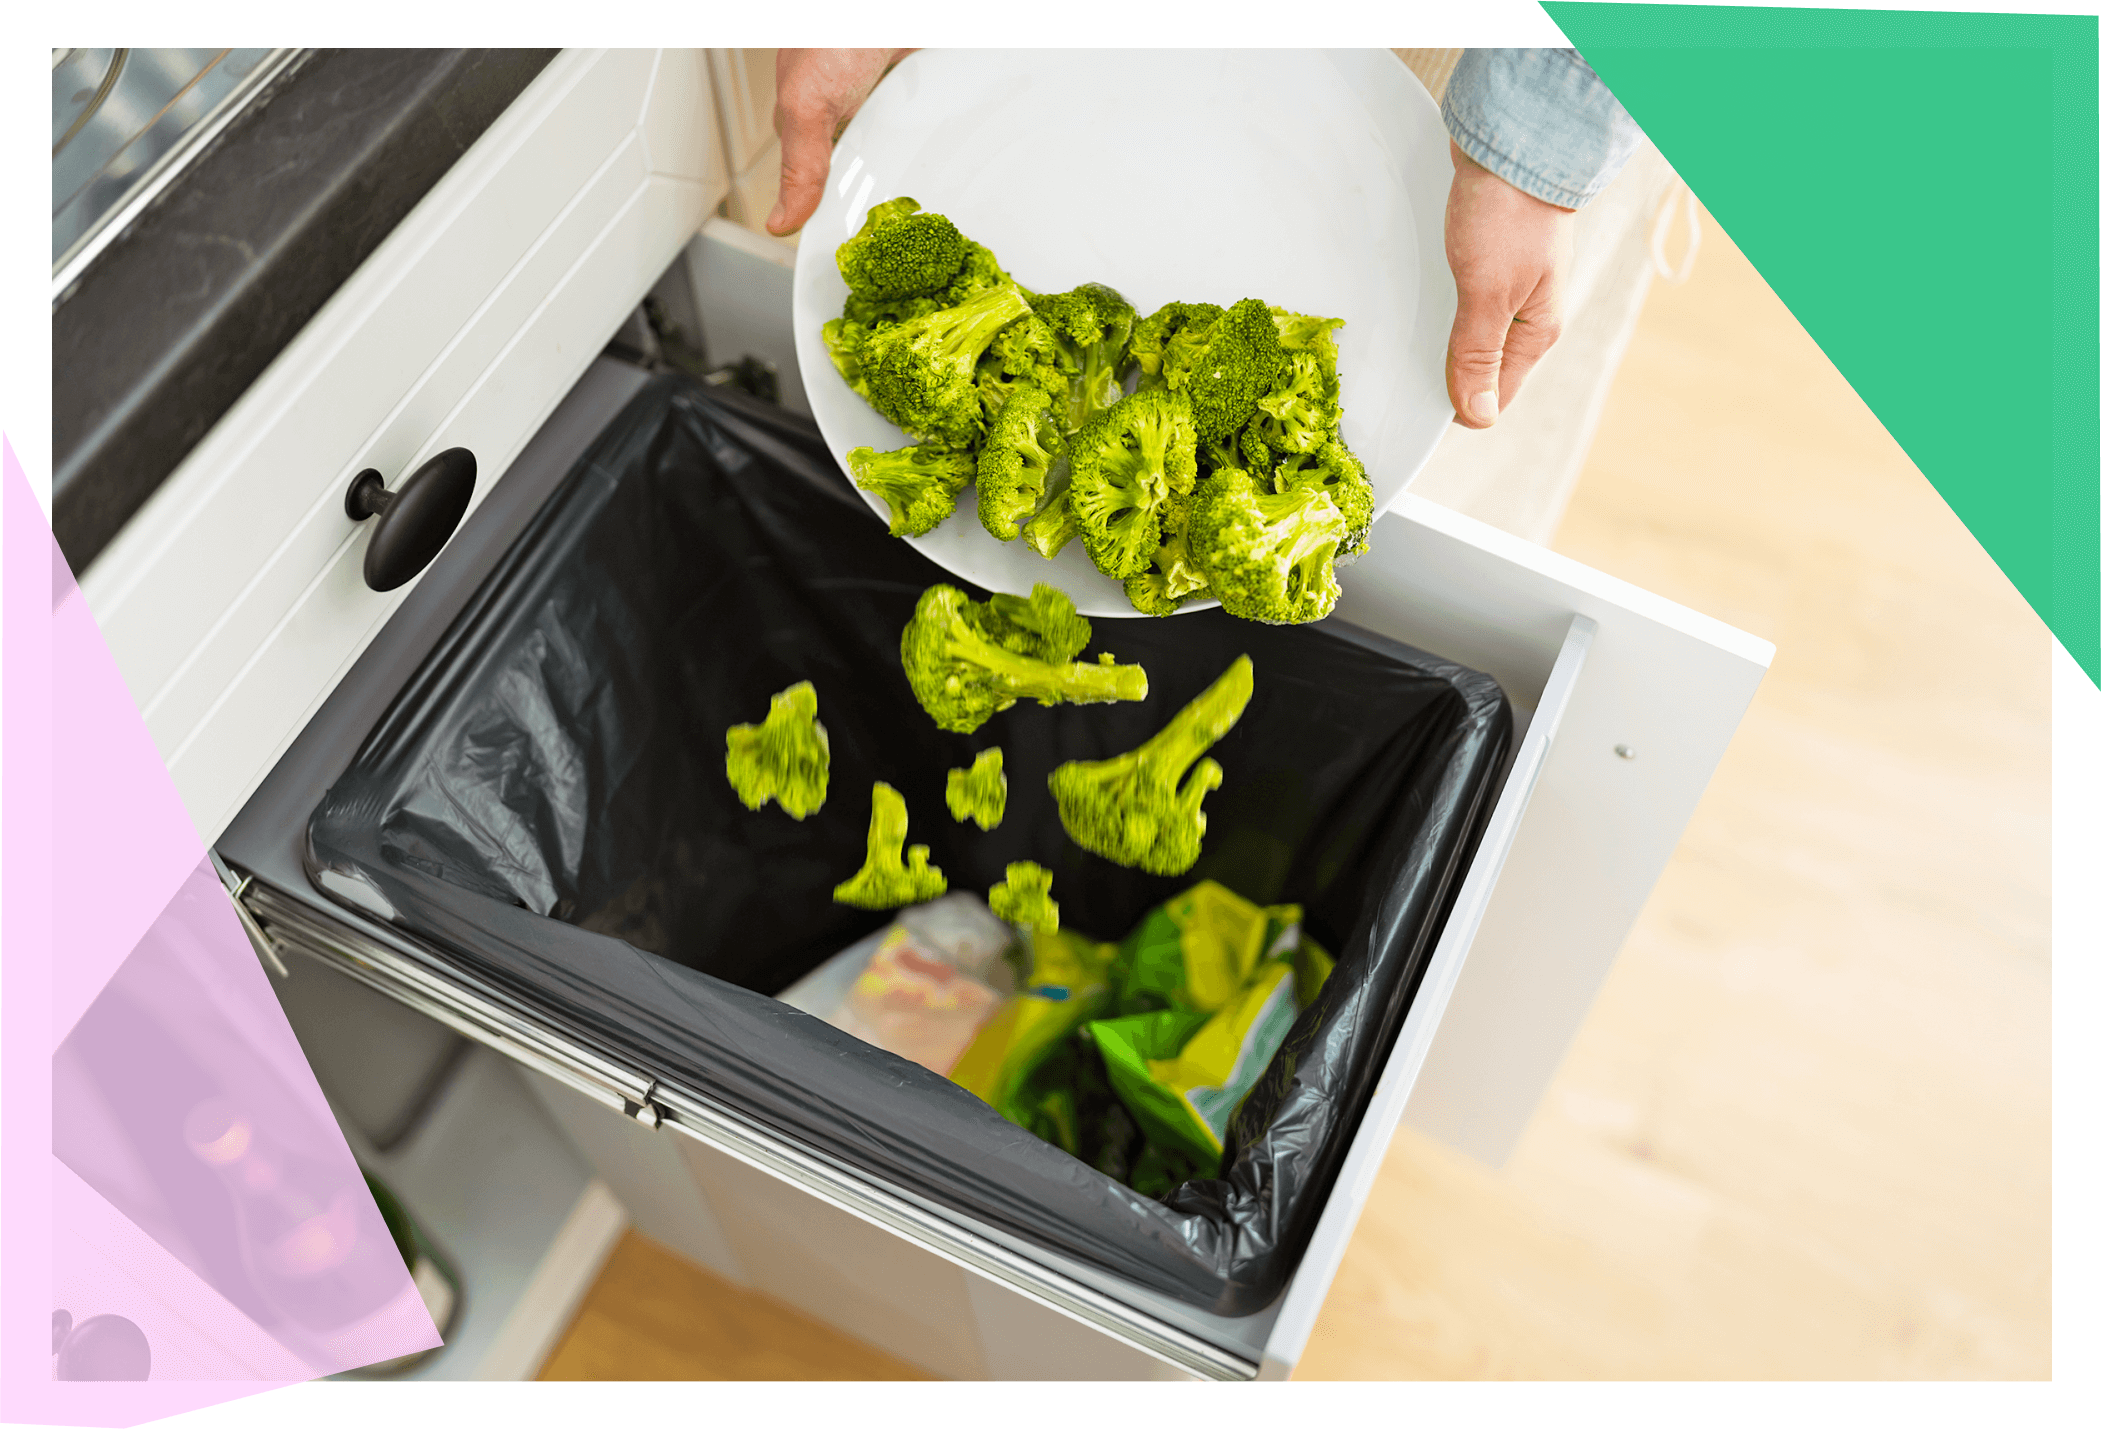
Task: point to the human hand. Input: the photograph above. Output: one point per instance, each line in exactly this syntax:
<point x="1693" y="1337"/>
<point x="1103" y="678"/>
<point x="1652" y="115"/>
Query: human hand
<point x="815" y="92"/>
<point x="1509" y="253"/>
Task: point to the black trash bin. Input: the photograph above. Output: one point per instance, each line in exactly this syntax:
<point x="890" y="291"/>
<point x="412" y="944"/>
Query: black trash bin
<point x="545" y="803"/>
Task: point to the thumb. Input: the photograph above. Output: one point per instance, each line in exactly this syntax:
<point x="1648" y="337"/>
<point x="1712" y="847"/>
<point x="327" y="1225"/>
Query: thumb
<point x="1473" y="363"/>
<point x="806" y="160"/>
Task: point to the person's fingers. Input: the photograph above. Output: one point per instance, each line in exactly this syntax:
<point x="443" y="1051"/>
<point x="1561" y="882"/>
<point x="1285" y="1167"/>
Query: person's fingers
<point x="1473" y="362"/>
<point x="806" y="161"/>
<point x="1536" y="328"/>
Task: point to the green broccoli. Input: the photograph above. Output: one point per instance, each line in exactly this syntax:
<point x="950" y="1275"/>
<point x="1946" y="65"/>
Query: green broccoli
<point x="1126" y="465"/>
<point x="1024" y="900"/>
<point x="1026" y="442"/>
<point x="892" y="876"/>
<point x="1137" y="809"/>
<point x="1092" y="328"/>
<point x="788" y="758"/>
<point x="980" y="272"/>
<point x="963" y="673"/>
<point x="1267" y="557"/>
<point x="922" y="373"/>
<point x="1299" y="333"/>
<point x="1223" y="359"/>
<point x="1055" y="525"/>
<point x="918" y="483"/>
<point x="1171" y="581"/>
<point x="979" y="793"/>
<point x="1296" y="416"/>
<point x="847" y="340"/>
<point x="1043" y="625"/>
<point x="880" y="312"/>
<point x="1165" y="345"/>
<point x="901" y="252"/>
<point x="1335" y="470"/>
<point x="1243" y="451"/>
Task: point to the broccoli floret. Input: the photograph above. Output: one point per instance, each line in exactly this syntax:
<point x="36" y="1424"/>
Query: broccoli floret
<point x="1296" y="416"/>
<point x="1054" y="526"/>
<point x="892" y="875"/>
<point x="1224" y="360"/>
<point x="1137" y="809"/>
<point x="1236" y="367"/>
<point x="1025" y="443"/>
<point x="1092" y="328"/>
<point x="847" y="340"/>
<point x="788" y="758"/>
<point x="1166" y="345"/>
<point x="1243" y="451"/>
<point x="979" y="793"/>
<point x="922" y="373"/>
<point x="880" y="312"/>
<point x="963" y="674"/>
<point x="980" y="272"/>
<point x="1267" y="557"/>
<point x="918" y="483"/>
<point x="1299" y="333"/>
<point x="1171" y="581"/>
<point x="1335" y="470"/>
<point x="1044" y="625"/>
<point x="1126" y="464"/>
<point x="1024" y="900"/>
<point x="901" y="252"/>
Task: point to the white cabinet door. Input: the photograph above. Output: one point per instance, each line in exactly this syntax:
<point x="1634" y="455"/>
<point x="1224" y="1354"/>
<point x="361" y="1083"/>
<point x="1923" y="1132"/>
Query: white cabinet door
<point x="234" y="600"/>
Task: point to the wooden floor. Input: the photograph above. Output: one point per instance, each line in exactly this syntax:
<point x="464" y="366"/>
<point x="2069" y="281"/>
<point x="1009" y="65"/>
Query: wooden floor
<point x="1805" y="1130"/>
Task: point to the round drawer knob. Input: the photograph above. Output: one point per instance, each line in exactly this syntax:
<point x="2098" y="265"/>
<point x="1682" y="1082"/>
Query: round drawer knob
<point x="416" y="521"/>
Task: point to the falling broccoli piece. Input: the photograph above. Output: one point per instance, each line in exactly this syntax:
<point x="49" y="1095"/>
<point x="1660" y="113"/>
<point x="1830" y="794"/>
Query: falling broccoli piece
<point x="1267" y="557"/>
<point x="963" y="674"/>
<point x="893" y="875"/>
<point x="1127" y="464"/>
<point x="918" y="484"/>
<point x="788" y="758"/>
<point x="1044" y="625"/>
<point x="1054" y="527"/>
<point x="1024" y="900"/>
<point x="922" y="373"/>
<point x="901" y="252"/>
<point x="1335" y="470"/>
<point x="1024" y="446"/>
<point x="979" y="794"/>
<point x="1091" y="326"/>
<point x="1137" y="809"/>
<point x="1296" y="417"/>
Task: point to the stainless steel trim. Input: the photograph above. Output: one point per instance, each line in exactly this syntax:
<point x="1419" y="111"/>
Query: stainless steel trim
<point x="481" y="1016"/>
<point x="163" y="172"/>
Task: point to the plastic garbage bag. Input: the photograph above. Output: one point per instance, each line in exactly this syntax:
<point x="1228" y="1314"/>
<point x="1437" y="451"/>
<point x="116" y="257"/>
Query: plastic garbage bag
<point x="545" y="808"/>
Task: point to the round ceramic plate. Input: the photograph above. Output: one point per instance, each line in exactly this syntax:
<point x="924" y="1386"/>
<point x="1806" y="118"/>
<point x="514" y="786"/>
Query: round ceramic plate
<point x="1311" y="179"/>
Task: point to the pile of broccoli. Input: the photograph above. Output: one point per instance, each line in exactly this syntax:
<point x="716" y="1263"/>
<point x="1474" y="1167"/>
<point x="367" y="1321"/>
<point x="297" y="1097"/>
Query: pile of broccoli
<point x="1194" y="453"/>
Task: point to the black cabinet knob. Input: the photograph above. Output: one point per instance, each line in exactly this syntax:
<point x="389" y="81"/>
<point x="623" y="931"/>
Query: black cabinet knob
<point x="415" y="521"/>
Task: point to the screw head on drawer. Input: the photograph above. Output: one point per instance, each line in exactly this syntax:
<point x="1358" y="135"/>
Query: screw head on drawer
<point x="1624" y="751"/>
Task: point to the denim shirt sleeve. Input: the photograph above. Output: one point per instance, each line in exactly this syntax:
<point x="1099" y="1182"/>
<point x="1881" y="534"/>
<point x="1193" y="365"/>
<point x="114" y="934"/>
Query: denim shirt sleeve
<point x="1540" y="120"/>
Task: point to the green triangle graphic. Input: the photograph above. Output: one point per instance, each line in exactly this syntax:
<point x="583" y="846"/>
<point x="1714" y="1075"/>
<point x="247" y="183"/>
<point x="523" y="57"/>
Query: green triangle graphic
<point x="1920" y="190"/>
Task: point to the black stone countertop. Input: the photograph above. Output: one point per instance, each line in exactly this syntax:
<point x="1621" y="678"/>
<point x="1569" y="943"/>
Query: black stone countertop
<point x="176" y="317"/>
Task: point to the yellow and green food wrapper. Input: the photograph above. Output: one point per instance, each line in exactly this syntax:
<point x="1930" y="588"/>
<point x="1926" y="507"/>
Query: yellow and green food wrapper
<point x="1235" y="978"/>
<point x="1068" y="985"/>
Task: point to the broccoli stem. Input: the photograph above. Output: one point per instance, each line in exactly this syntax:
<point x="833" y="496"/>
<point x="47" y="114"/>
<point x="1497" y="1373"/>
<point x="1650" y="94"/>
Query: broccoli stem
<point x="1079" y="682"/>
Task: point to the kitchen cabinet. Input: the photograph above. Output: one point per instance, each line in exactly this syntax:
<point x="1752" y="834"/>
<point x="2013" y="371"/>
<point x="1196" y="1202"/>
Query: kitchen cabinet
<point x="234" y="605"/>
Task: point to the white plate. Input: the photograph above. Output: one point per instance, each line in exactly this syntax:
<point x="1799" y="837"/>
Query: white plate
<point x="1313" y="179"/>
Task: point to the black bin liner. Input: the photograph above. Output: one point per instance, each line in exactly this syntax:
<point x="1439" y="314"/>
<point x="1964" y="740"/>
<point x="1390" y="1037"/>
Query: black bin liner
<point x="545" y="804"/>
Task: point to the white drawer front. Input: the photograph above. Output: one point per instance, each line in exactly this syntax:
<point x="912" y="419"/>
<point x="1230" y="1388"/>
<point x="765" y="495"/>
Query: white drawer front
<point x="235" y="599"/>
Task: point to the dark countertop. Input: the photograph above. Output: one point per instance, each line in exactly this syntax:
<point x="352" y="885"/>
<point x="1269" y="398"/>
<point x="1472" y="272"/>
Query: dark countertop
<point x="190" y="303"/>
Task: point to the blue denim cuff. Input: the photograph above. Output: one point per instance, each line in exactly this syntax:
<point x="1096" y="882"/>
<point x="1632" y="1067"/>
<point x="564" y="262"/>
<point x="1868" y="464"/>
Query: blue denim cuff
<point x="1540" y="120"/>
